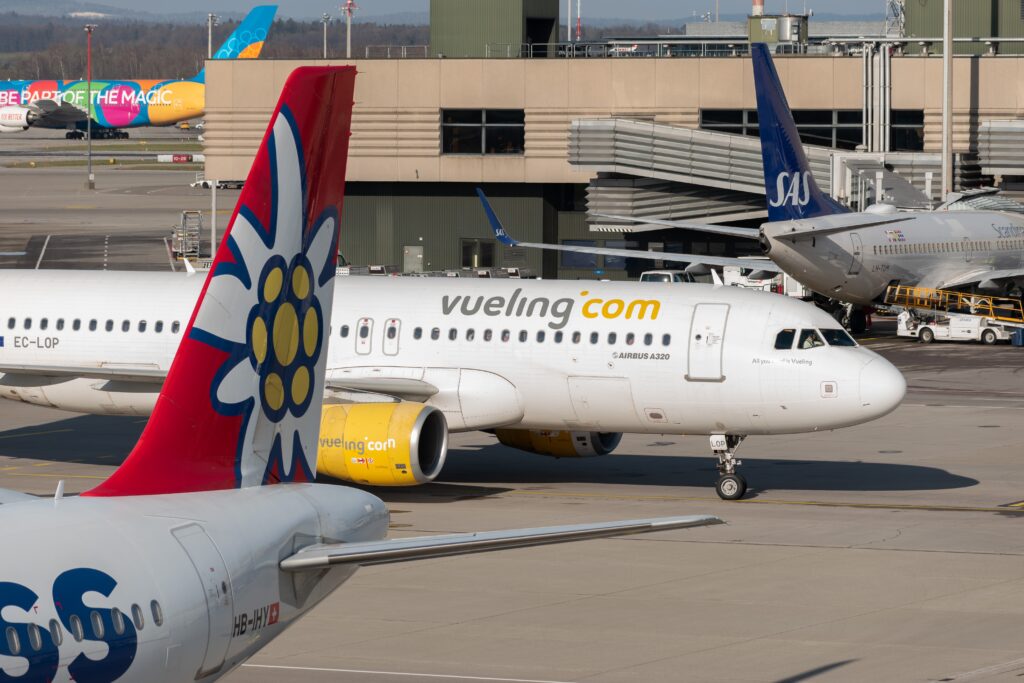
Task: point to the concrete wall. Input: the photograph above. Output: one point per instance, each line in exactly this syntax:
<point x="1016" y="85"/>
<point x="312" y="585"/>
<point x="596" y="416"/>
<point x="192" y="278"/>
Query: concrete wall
<point x="397" y="130"/>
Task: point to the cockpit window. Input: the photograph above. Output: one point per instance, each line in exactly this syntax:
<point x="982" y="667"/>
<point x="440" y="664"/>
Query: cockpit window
<point x="837" y="337"/>
<point x="810" y="339"/>
<point x="784" y="339"/>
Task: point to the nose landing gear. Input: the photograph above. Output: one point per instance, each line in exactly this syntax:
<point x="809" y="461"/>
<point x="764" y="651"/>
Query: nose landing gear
<point x="730" y="485"/>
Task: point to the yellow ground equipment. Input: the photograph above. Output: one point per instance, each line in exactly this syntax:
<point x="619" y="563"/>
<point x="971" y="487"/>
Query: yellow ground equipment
<point x="1002" y="309"/>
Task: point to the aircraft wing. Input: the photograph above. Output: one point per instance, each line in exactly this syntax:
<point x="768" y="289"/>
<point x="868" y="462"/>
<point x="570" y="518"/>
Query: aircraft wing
<point x="9" y="496"/>
<point x="506" y="239"/>
<point x="648" y="224"/>
<point x="123" y="373"/>
<point x="982" y="275"/>
<point x="399" y="387"/>
<point x="427" y="547"/>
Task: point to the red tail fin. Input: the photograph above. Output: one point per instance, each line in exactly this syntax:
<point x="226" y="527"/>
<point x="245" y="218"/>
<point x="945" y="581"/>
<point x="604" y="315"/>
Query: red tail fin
<point x="241" y="403"/>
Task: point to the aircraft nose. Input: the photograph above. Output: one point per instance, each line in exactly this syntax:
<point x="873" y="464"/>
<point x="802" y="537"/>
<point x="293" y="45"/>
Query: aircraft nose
<point x="882" y="387"/>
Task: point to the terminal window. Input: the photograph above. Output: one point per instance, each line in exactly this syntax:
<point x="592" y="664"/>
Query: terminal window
<point x="482" y="131"/>
<point x="840" y="128"/>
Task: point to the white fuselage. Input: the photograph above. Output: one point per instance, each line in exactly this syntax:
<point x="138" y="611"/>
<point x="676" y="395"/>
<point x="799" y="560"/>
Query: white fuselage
<point x="611" y="357"/>
<point x="164" y="589"/>
<point x="929" y="249"/>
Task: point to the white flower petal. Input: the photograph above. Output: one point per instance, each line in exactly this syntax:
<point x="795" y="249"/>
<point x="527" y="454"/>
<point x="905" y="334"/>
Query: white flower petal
<point x="226" y="307"/>
<point x="240" y="384"/>
<point x="289" y="189"/>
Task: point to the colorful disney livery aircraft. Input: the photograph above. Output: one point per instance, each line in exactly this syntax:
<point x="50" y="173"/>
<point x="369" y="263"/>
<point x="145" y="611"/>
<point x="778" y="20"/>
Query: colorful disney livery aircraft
<point x="123" y="104"/>
<point x="186" y="561"/>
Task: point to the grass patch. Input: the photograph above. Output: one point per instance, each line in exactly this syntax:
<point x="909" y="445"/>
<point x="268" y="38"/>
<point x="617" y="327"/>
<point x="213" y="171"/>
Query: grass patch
<point x="130" y="146"/>
<point x="138" y="164"/>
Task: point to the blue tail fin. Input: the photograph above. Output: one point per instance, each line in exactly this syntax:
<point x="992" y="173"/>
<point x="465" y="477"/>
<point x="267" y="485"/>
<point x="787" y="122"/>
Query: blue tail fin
<point x="492" y="218"/>
<point x="246" y="41"/>
<point x="788" y="182"/>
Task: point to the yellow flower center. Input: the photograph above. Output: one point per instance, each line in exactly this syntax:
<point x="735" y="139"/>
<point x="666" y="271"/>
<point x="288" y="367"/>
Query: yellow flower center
<point x="286" y="334"/>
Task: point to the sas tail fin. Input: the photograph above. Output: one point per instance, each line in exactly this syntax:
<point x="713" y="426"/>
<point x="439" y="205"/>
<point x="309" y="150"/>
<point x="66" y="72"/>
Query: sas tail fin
<point x="492" y="218"/>
<point x="241" y="404"/>
<point x="788" y="182"/>
<point x="246" y="41"/>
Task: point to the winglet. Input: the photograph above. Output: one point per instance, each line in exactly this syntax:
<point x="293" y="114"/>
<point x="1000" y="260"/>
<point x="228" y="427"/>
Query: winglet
<point x="242" y="400"/>
<point x="788" y="182"/>
<point x="499" y="231"/>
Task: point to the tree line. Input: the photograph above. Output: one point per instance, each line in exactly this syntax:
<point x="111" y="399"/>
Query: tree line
<point x="54" y="48"/>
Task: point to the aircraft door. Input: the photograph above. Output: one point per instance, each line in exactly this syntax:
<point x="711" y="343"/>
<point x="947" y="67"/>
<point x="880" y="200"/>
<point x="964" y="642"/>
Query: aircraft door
<point x="392" y="333"/>
<point x="968" y="251"/>
<point x="858" y="250"/>
<point x="216" y="584"/>
<point x="707" y="340"/>
<point x="364" y="336"/>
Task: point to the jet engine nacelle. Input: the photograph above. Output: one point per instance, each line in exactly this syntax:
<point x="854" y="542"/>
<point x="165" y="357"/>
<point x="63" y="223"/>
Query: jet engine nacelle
<point x="16" y="119"/>
<point x="560" y="444"/>
<point x="382" y="444"/>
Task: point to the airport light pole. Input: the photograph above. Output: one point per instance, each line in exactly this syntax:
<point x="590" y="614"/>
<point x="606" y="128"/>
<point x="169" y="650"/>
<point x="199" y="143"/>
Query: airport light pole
<point x="947" y="98"/>
<point x="325" y="19"/>
<point x="211" y="21"/>
<point x="349" y="9"/>
<point x="90" y="182"/>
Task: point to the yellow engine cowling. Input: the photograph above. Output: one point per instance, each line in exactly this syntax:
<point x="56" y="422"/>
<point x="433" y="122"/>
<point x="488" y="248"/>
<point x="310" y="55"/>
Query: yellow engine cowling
<point x="382" y="444"/>
<point x="560" y="444"/>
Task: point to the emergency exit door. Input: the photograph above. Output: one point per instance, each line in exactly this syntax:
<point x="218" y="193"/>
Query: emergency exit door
<point x="707" y="341"/>
<point x="858" y="254"/>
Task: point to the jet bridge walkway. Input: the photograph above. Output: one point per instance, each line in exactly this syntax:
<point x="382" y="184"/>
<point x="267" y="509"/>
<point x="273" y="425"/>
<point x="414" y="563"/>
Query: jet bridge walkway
<point x="1004" y="310"/>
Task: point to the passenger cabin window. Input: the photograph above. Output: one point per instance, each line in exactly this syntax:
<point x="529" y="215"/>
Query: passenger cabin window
<point x="11" y="323"/>
<point x="28" y="323"/>
<point x="594" y="337"/>
<point x="137" y="618"/>
<point x="175" y="327"/>
<point x="417" y="333"/>
<point x="666" y="339"/>
<point x="158" y="613"/>
<point x="126" y="325"/>
<point x="35" y="638"/>
<point x="75" y="626"/>
<point x="142" y="326"/>
<point x="540" y="336"/>
<point x="630" y="338"/>
<point x="96" y="620"/>
<point x="470" y="334"/>
<point x="612" y="337"/>
<point x="92" y="325"/>
<point x="56" y="633"/>
<point x="576" y="336"/>
<point x="44" y="323"/>
<point x="523" y="334"/>
<point x="435" y="333"/>
<point x="838" y="337"/>
<point x="344" y="331"/>
<point x="117" y="617"/>
<point x="109" y="327"/>
<point x="558" y="337"/>
<point x="487" y="335"/>
<point x="810" y="339"/>
<point x="784" y="339"/>
<point x="453" y="334"/>
<point x="13" y="643"/>
<point x="505" y="335"/>
<point x="648" y="339"/>
<point x="60" y="324"/>
<point x="158" y="326"/>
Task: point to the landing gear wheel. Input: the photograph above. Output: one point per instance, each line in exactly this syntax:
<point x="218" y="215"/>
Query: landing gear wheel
<point x="988" y="337"/>
<point x="731" y="487"/>
<point x="858" y="321"/>
<point x="926" y="336"/>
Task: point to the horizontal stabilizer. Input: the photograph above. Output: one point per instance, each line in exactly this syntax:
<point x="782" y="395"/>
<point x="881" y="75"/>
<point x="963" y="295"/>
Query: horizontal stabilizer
<point x="428" y="547"/>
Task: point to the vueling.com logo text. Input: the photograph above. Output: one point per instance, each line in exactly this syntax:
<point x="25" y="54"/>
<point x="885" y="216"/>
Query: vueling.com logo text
<point x="520" y="306"/>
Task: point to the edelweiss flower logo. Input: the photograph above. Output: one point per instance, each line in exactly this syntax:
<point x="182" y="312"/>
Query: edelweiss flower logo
<point x="275" y="350"/>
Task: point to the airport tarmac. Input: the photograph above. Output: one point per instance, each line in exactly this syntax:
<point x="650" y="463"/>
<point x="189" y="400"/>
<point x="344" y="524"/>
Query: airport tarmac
<point x="890" y="551"/>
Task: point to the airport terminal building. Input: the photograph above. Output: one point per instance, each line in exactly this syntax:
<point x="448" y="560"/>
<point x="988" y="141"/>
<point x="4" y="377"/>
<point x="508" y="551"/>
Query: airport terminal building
<point x="664" y="127"/>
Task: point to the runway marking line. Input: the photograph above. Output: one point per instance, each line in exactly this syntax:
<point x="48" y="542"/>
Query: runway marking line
<point x="45" y="431"/>
<point x="362" y="672"/>
<point x="757" y="501"/>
